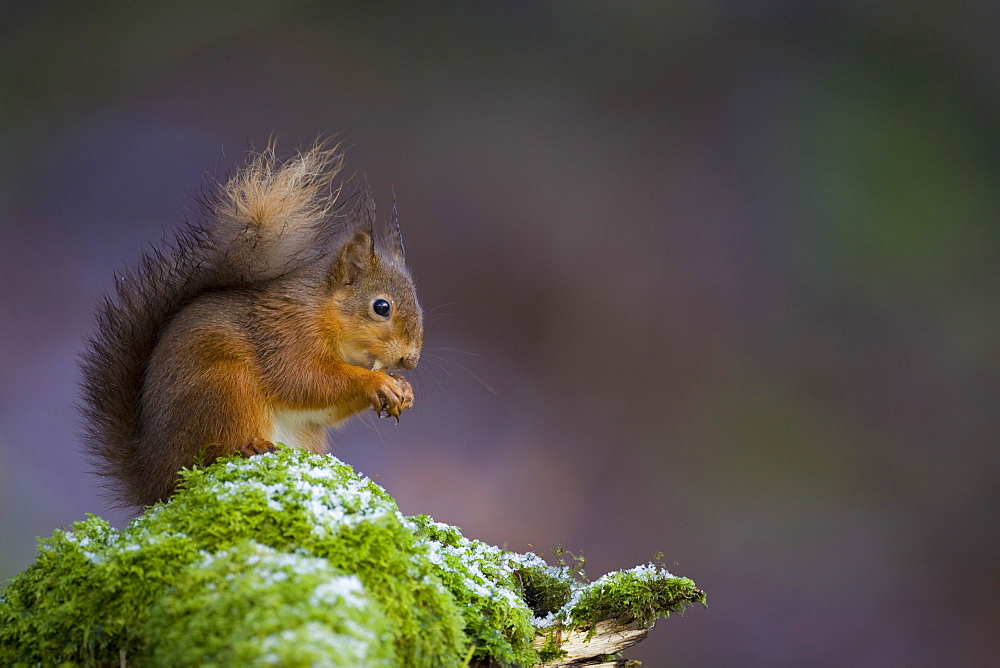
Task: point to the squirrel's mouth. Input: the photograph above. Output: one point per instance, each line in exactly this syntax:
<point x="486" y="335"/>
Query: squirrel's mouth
<point x="373" y="363"/>
<point x="365" y="360"/>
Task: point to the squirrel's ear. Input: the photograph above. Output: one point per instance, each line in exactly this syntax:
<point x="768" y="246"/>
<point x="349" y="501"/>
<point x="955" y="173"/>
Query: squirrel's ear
<point x="354" y="258"/>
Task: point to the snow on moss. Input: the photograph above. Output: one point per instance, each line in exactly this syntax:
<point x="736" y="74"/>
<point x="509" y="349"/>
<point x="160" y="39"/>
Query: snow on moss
<point x="636" y="596"/>
<point x="282" y="608"/>
<point x="294" y="559"/>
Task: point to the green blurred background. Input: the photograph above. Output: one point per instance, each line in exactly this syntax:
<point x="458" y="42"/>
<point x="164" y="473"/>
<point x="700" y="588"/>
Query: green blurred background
<point x="716" y="279"/>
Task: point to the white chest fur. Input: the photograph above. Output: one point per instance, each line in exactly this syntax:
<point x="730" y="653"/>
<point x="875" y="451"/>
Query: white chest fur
<point x="292" y="427"/>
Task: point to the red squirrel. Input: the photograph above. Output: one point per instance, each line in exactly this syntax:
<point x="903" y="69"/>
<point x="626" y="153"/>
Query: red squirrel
<point x="274" y="315"/>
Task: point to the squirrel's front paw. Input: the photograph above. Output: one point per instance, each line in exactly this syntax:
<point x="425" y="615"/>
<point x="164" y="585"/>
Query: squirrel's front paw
<point x="393" y="394"/>
<point x="406" y="397"/>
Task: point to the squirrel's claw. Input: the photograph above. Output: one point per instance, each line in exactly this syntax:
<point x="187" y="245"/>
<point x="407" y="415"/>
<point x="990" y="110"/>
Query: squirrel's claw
<point x="394" y="395"/>
<point x="257" y="446"/>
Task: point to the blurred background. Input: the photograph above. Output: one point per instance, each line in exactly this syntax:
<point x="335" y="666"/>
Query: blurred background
<point x="716" y="279"/>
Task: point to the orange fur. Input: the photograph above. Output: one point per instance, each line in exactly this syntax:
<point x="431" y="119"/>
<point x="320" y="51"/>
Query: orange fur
<point x="256" y="324"/>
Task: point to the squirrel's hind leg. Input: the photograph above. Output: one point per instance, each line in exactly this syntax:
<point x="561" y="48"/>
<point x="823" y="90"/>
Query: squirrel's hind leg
<point x="257" y="446"/>
<point x="214" y="408"/>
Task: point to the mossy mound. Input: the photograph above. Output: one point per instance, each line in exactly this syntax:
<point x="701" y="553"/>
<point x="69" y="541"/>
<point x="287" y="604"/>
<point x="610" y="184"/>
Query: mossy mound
<point x="294" y="559"/>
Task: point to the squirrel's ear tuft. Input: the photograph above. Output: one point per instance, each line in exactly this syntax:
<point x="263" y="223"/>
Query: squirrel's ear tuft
<point x="354" y="258"/>
<point x="396" y="248"/>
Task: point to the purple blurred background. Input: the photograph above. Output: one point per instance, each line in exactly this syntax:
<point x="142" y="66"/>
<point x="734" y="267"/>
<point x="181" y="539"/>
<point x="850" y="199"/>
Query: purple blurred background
<point x="716" y="279"/>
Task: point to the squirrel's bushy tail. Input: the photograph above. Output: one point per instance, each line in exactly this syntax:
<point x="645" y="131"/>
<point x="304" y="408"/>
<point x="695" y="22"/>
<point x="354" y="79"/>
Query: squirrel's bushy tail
<point x="268" y="219"/>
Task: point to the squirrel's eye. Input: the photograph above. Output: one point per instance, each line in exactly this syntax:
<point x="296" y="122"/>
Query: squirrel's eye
<point x="381" y="307"/>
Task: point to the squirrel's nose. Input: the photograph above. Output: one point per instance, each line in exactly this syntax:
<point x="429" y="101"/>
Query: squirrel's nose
<point x="409" y="362"/>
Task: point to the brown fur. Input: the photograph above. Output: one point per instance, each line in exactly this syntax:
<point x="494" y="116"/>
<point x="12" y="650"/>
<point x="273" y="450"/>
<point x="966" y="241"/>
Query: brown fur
<point x="257" y="322"/>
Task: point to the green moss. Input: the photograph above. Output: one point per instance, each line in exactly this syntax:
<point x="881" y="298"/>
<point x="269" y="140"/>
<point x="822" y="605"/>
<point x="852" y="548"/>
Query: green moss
<point x="481" y="578"/>
<point x="545" y="591"/>
<point x="636" y="596"/>
<point x="550" y="650"/>
<point x="293" y="558"/>
<point x="278" y="606"/>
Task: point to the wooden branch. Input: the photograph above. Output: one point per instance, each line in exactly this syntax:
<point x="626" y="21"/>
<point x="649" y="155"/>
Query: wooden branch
<point x="608" y="638"/>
